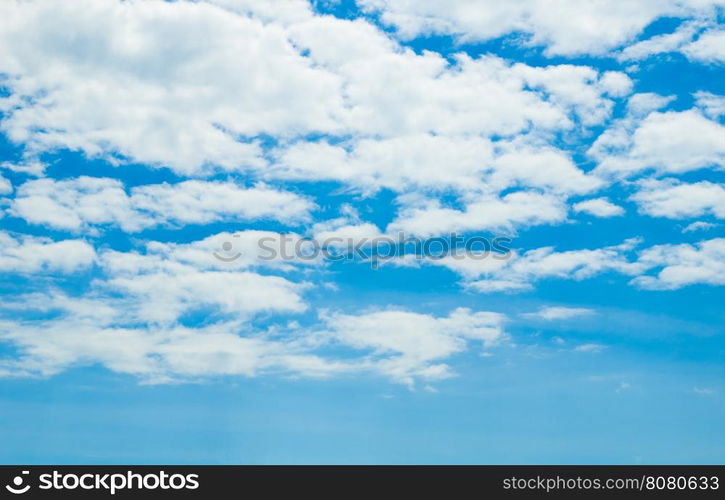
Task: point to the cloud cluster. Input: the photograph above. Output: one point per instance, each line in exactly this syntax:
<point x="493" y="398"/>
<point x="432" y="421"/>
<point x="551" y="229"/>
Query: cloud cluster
<point x="567" y="27"/>
<point x="677" y="200"/>
<point x="659" y="267"/>
<point x="80" y="203"/>
<point x="670" y="142"/>
<point x="240" y="98"/>
<point x="27" y="254"/>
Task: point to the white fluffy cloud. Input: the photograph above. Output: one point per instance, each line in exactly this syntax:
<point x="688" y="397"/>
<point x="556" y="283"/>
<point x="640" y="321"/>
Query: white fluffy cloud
<point x="566" y="27"/>
<point x="677" y="200"/>
<point x="676" y="266"/>
<point x="668" y="42"/>
<point x="435" y="163"/>
<point x="160" y="289"/>
<point x="666" y="142"/>
<point x="712" y="105"/>
<point x="521" y="208"/>
<point x="76" y="204"/>
<point x="683" y="265"/>
<point x="392" y="91"/>
<point x="5" y="186"/>
<point x="155" y="355"/>
<point x="272" y="91"/>
<point x="599" y="207"/>
<point x="520" y="271"/>
<point x="200" y="103"/>
<point x="698" y="40"/>
<point x="401" y="345"/>
<point x="189" y="82"/>
<point x="709" y="47"/>
<point x="28" y="254"/>
<point x="410" y="344"/>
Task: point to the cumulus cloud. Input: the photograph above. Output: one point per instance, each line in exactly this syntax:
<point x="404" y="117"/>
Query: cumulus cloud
<point x="76" y="204"/>
<point x="677" y="200"/>
<point x="5" y="186"/>
<point x="668" y="42"/>
<point x="410" y="345"/>
<point x="712" y="105"/>
<point x="161" y="289"/>
<point x="402" y="345"/>
<point x="709" y="47"/>
<point x="520" y="208"/>
<point x="192" y="83"/>
<point x="698" y="40"/>
<point x="682" y="265"/>
<point x="659" y="267"/>
<point x="415" y="162"/>
<point x="155" y="355"/>
<point x="671" y="142"/>
<point x="571" y="28"/>
<point x="519" y="271"/>
<point x="545" y="263"/>
<point x="599" y="207"/>
<point x="202" y="103"/>
<point x="29" y="254"/>
<point x="249" y="94"/>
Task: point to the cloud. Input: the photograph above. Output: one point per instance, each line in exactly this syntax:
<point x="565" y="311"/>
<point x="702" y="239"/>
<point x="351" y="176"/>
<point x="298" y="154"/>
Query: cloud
<point x="156" y="355"/>
<point x="521" y="208"/>
<point x="698" y="40"/>
<point x="709" y="48"/>
<point x="669" y="142"/>
<point x="712" y="105"/>
<point x="675" y="266"/>
<point x="553" y="313"/>
<point x="594" y="348"/>
<point x="5" y="186"/>
<point x="203" y="103"/>
<point x="29" y="165"/>
<point x="241" y="250"/>
<point x="413" y="162"/>
<point x="669" y="42"/>
<point x="704" y="391"/>
<point x="599" y="207"/>
<point x="698" y="226"/>
<point x="161" y="290"/>
<point x="402" y="345"/>
<point x="192" y="83"/>
<point x="571" y="28"/>
<point x="409" y="345"/>
<point x="28" y="254"/>
<point x="520" y="271"/>
<point x="676" y="200"/>
<point x="346" y="230"/>
<point x="76" y="204"/>
<point x="683" y="265"/>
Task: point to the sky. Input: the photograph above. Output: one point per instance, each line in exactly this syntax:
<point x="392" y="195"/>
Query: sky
<point x="148" y="146"/>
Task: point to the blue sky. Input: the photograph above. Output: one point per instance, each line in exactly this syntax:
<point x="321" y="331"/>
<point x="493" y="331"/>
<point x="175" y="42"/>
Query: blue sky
<point x="136" y="138"/>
